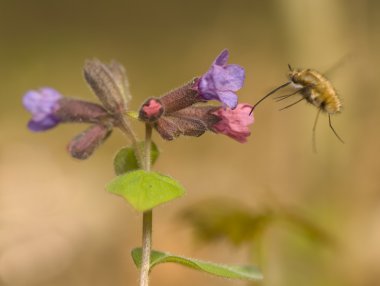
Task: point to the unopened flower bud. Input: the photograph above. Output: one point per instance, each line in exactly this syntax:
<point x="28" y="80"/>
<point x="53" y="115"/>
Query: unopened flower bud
<point x="121" y="79"/>
<point x="167" y="128"/>
<point x="83" y="145"/>
<point x="190" y="121"/>
<point x="151" y="110"/>
<point x="108" y="84"/>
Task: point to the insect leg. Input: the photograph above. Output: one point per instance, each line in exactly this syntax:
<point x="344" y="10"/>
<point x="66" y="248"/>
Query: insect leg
<point x="332" y="128"/>
<point x="282" y="97"/>
<point x="294" y="103"/>
<point x="314" y="128"/>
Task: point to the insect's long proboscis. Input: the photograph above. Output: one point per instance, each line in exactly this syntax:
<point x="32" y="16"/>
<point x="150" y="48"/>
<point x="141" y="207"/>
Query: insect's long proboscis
<point x="270" y="93"/>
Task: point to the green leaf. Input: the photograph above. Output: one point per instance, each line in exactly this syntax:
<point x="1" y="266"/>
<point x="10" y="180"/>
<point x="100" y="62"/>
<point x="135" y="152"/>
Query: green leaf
<point x="221" y="270"/>
<point x="125" y="160"/>
<point x="133" y="114"/>
<point x="145" y="190"/>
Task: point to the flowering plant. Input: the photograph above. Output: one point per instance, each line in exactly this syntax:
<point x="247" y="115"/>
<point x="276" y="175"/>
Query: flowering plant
<point x="183" y="111"/>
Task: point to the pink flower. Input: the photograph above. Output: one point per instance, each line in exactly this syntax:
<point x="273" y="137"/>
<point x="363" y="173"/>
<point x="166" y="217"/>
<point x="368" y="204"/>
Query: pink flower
<point x="234" y="122"/>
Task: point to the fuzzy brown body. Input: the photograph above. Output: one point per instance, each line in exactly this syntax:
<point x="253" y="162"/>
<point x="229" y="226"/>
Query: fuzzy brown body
<point x="316" y="89"/>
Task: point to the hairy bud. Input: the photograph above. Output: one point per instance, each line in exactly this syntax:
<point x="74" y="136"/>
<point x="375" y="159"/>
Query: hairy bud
<point x="83" y="145"/>
<point x="73" y="110"/>
<point x="109" y="84"/>
<point x="181" y="97"/>
<point x="151" y="110"/>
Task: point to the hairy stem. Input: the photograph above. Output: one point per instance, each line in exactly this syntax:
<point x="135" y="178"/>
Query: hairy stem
<point x="147" y="217"/>
<point x="124" y="126"/>
<point x="147" y="146"/>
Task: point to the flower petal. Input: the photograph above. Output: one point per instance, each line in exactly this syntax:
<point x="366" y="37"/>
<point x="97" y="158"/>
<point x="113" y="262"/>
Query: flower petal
<point x="222" y="59"/>
<point x="230" y="78"/>
<point x="46" y="123"/>
<point x="221" y="81"/>
<point x="42" y="104"/>
<point x="234" y="122"/>
<point x="229" y="98"/>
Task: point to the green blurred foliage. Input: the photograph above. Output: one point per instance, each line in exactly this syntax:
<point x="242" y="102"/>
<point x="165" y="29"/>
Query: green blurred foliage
<point x="231" y="221"/>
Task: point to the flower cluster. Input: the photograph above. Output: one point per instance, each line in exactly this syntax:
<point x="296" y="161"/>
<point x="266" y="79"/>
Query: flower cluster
<point x="179" y="112"/>
<point x="49" y="108"/>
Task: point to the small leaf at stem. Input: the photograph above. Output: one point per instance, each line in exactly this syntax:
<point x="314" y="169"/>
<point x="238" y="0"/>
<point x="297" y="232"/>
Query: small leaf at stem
<point x="133" y="114"/>
<point x="227" y="271"/>
<point x="145" y="190"/>
<point x="125" y="159"/>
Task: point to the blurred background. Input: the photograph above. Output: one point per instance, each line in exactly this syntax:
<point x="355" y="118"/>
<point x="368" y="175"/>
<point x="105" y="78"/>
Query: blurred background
<point x="58" y="226"/>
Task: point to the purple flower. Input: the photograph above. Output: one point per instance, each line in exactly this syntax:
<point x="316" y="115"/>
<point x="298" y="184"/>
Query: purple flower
<point x="222" y="81"/>
<point x="49" y="108"/>
<point x="42" y="104"/>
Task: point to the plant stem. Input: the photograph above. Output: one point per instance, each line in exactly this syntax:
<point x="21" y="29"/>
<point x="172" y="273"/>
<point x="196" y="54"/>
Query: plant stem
<point x="124" y="126"/>
<point x="146" y="248"/>
<point x="147" y="146"/>
<point x="147" y="217"/>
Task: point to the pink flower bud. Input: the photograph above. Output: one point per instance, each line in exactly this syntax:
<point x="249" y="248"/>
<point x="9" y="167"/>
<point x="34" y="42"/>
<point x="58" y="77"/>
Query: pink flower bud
<point x="151" y="110"/>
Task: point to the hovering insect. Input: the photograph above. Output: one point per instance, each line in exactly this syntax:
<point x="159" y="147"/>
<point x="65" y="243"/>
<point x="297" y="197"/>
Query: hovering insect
<point x="315" y="89"/>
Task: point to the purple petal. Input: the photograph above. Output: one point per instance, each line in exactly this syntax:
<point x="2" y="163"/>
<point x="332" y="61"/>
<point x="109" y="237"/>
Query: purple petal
<point x="42" y="125"/>
<point x="221" y="81"/>
<point x="229" y="98"/>
<point x="229" y="78"/>
<point x="42" y="104"/>
<point x="222" y="59"/>
<point x="206" y="83"/>
<point x="41" y="101"/>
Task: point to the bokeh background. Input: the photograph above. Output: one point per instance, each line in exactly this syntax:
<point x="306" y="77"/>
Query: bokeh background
<point x="58" y="226"/>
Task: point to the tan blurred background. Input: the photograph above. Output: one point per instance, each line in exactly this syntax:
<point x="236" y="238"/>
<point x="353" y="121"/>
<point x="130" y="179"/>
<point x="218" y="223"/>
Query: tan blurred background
<point x="59" y="227"/>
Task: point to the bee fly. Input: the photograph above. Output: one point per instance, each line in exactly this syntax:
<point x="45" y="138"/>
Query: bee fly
<point x="315" y="89"/>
